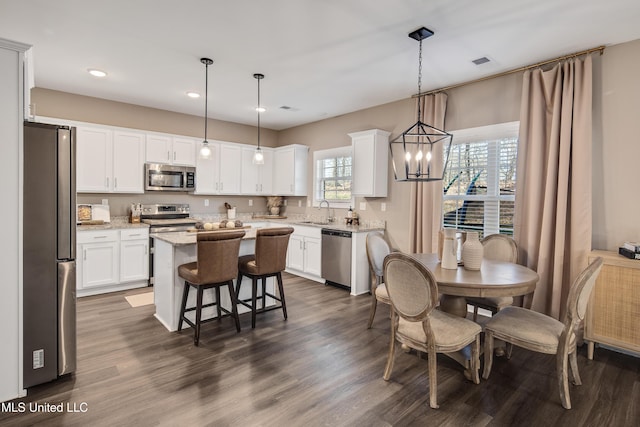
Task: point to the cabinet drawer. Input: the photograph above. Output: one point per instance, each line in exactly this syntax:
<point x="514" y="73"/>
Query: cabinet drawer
<point x="134" y="234"/>
<point x="97" y="236"/>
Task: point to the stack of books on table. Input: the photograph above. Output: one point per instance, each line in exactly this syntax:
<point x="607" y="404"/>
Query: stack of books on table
<point x="630" y="250"/>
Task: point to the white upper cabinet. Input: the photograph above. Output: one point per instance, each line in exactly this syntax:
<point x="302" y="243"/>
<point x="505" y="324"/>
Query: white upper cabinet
<point x="128" y="162"/>
<point x="370" y="163"/>
<point x="290" y="170"/>
<point x="256" y="179"/>
<point x="94" y="148"/>
<point x="169" y="149"/>
<point x="221" y="172"/>
<point x="109" y="161"/>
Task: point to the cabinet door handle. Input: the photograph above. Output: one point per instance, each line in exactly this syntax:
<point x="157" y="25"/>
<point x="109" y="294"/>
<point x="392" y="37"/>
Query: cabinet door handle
<point x="301" y="245"/>
<point x="131" y="235"/>
<point x="256" y="188"/>
<point x="107" y="181"/>
<point x="174" y="155"/>
<point x="168" y="155"/>
<point x="115" y="182"/>
<point x="84" y="255"/>
<point x="305" y="246"/>
<point x="99" y="237"/>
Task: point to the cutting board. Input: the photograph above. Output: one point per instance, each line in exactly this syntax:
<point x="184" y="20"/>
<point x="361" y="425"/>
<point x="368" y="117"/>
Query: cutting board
<point x="100" y="213"/>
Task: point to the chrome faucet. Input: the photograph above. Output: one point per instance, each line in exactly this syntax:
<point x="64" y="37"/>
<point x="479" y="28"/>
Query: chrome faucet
<point x="320" y="207"/>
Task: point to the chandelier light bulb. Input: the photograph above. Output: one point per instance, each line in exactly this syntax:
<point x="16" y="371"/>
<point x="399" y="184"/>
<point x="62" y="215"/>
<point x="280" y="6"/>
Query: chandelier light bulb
<point x="407" y="156"/>
<point x="428" y="156"/>
<point x="419" y="156"/>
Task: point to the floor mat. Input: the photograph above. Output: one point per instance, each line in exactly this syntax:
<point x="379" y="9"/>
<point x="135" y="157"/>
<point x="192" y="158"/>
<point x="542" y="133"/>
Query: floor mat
<point x="140" y="299"/>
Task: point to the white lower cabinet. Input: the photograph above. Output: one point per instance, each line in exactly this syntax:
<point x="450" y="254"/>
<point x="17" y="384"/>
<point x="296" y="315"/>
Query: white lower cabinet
<point x="134" y="255"/>
<point x="304" y="254"/>
<point x="111" y="260"/>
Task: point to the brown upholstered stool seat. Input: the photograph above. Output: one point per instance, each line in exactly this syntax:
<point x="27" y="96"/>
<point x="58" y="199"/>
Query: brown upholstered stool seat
<point x="269" y="260"/>
<point x="217" y="266"/>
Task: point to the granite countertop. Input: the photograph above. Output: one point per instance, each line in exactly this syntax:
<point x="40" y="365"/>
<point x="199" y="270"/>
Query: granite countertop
<point x="183" y="238"/>
<point x="115" y="224"/>
<point x="365" y="227"/>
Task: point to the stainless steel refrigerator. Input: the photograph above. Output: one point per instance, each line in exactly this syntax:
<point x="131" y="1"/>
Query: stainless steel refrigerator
<point x="49" y="251"/>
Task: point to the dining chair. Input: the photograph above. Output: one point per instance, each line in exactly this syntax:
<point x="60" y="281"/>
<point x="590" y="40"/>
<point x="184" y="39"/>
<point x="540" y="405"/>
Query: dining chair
<point x="543" y="334"/>
<point x="269" y="260"/>
<point x="497" y="247"/>
<point x="377" y="249"/>
<point x="416" y="323"/>
<point x="216" y="266"/>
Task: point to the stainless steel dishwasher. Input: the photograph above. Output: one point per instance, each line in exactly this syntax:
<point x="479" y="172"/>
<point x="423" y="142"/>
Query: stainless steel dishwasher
<point x="336" y="257"/>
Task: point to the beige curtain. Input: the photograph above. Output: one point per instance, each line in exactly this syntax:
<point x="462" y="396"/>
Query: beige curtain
<point x="553" y="190"/>
<point x="426" y="197"/>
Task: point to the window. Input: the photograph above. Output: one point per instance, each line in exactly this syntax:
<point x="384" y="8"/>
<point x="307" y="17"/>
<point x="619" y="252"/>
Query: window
<point x="479" y="184"/>
<point x="332" y="172"/>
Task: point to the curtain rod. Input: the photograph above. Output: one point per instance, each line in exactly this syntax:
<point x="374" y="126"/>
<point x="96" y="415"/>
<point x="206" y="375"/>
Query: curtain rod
<point x="517" y="70"/>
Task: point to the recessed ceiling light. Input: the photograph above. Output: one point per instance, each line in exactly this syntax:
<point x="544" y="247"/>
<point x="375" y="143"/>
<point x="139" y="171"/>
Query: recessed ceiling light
<point x="261" y="109"/>
<point x="193" y="94"/>
<point x="96" y="73"/>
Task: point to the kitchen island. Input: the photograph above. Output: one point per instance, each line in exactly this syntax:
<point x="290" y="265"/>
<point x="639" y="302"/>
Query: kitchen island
<point x="174" y="249"/>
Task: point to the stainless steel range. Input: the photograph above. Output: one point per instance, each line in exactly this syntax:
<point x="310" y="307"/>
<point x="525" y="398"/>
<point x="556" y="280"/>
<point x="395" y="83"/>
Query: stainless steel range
<point x="167" y="218"/>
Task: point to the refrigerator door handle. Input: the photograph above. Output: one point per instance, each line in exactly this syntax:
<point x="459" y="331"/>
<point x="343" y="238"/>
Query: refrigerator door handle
<point x="66" y="194"/>
<point x="66" y="317"/>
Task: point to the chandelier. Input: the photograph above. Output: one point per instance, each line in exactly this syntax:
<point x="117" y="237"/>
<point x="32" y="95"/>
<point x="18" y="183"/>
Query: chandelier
<point x="417" y="151"/>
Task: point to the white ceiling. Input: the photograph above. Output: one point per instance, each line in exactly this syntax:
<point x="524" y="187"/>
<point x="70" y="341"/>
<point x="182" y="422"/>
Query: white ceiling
<point x="322" y="58"/>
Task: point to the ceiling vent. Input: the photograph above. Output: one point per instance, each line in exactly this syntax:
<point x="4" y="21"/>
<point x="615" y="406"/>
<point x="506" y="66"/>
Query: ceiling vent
<point x="481" y="61"/>
<point x="285" y="107"/>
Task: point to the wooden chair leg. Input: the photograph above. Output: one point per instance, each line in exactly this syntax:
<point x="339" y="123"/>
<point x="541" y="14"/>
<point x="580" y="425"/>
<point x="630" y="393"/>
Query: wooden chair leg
<point x="185" y="295"/>
<point x="563" y="378"/>
<point x="372" y="310"/>
<point x="433" y="379"/>
<point x="573" y="358"/>
<point x="196" y="337"/>
<point x="392" y="349"/>
<point x="254" y="291"/>
<point x="475" y="313"/>
<point x="238" y="282"/>
<point x="281" y="290"/>
<point x="234" y="305"/>
<point x="219" y="308"/>
<point x="488" y="353"/>
<point x="475" y="360"/>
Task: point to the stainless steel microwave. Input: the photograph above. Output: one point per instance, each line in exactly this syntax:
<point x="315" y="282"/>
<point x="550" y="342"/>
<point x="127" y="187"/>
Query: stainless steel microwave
<point x="159" y="177"/>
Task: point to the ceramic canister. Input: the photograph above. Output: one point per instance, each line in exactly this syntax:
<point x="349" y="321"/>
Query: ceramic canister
<point x="472" y="251"/>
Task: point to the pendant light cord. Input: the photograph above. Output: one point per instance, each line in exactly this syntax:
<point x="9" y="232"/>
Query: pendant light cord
<point x="206" y="99"/>
<point x="258" y="113"/>
<point x="420" y="80"/>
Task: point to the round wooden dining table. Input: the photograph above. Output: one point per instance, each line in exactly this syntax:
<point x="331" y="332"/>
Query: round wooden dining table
<point x="494" y="279"/>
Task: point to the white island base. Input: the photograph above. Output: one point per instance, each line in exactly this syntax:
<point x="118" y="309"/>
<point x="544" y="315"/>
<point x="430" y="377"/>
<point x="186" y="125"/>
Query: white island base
<point x="173" y="249"/>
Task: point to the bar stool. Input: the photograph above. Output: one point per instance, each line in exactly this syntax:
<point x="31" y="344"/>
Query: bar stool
<point x="216" y="266"/>
<point x="268" y="261"/>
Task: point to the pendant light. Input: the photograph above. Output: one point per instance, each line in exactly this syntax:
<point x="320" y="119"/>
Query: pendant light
<point x="205" y="151"/>
<point x="416" y="152"/>
<point x="258" y="156"/>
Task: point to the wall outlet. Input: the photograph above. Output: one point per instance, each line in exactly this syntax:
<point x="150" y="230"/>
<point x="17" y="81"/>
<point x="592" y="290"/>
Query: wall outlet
<point x="206" y="202"/>
<point x="105" y="201"/>
<point x="250" y="202"/>
<point x="383" y="206"/>
<point x="363" y="206"/>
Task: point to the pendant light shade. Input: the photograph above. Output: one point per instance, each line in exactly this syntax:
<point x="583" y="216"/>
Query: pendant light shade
<point x="420" y="153"/>
<point x="205" y="151"/>
<point x="258" y="156"/>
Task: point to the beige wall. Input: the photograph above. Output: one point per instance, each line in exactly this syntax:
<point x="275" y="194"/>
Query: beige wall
<point x="616" y="150"/>
<point x="616" y="155"/>
<point x="62" y="105"/>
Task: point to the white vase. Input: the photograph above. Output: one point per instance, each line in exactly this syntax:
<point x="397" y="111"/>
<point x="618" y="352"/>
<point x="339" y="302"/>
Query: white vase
<point x="472" y="251"/>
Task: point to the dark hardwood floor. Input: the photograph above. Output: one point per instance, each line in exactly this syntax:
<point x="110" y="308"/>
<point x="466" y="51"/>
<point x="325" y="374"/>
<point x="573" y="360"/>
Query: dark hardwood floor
<point x="322" y="367"/>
